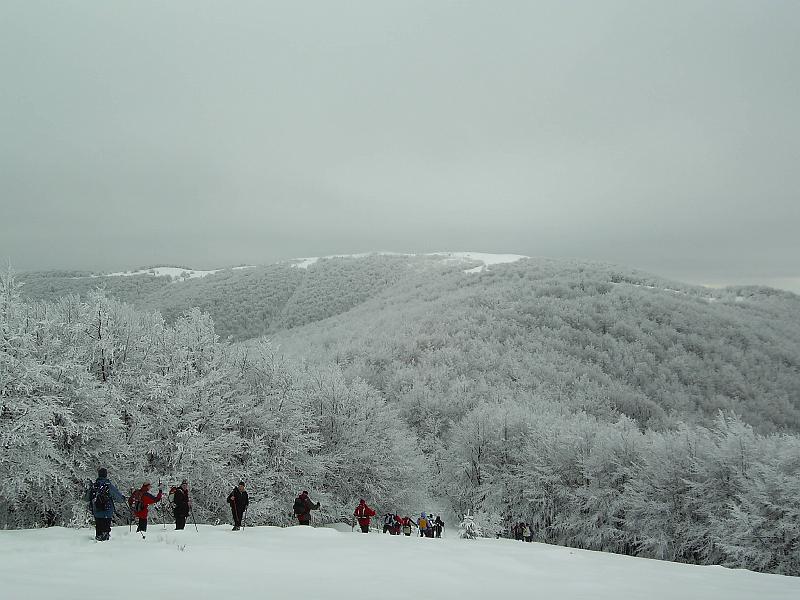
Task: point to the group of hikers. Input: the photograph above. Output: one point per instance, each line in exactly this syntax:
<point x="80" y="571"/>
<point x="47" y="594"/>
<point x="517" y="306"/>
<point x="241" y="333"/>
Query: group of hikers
<point x="395" y="524"/>
<point x="102" y="495"/>
<point x="522" y="532"/>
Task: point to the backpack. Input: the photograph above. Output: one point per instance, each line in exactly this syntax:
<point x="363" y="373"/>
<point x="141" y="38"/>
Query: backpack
<point x="135" y="501"/>
<point x="299" y="506"/>
<point x="423" y="523"/>
<point x="388" y="520"/>
<point x="101" y="496"/>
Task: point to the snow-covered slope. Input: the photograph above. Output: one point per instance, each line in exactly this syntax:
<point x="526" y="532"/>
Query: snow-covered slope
<point x="323" y="563"/>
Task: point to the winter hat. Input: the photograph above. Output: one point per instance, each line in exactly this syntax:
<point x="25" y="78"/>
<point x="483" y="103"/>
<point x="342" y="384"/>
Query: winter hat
<point x="186" y="481"/>
<point x="305" y="493"/>
<point x="241" y="483"/>
<point x="361" y="501"/>
<point x="102" y="473"/>
<point x="147" y="484"/>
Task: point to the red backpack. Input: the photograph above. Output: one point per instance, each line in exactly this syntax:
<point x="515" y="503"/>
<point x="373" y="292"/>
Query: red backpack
<point x="135" y="501"/>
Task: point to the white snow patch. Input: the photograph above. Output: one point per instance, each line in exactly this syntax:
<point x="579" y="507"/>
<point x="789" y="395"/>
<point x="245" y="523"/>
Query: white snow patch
<point x="314" y="563"/>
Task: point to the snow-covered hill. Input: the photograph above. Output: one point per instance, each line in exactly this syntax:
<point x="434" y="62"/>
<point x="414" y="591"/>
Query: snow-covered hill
<point x="323" y="563"/>
<point x="184" y="273"/>
<point x="176" y="273"/>
<point x="471" y="257"/>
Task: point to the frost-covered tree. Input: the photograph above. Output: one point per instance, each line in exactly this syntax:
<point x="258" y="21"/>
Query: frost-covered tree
<point x="468" y="529"/>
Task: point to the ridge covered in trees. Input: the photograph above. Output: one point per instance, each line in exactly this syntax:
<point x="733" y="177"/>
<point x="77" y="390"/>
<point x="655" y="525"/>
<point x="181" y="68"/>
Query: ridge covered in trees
<point x="613" y="410"/>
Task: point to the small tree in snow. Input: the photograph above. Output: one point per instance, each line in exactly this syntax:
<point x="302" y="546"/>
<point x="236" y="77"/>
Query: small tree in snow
<point x="468" y="530"/>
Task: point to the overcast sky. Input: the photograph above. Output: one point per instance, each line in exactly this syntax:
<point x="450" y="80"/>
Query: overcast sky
<point x="659" y="135"/>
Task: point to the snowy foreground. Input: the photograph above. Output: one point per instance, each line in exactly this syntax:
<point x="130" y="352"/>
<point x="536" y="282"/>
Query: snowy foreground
<point x="309" y="563"/>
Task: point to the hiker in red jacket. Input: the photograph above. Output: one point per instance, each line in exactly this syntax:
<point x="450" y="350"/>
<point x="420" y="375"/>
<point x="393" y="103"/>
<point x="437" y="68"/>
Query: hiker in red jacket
<point x="363" y="513"/>
<point x="140" y="500"/>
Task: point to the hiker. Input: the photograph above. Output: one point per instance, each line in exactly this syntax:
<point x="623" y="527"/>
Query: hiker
<point x="238" y="500"/>
<point x="422" y="524"/>
<point x="303" y="505"/>
<point x="527" y="532"/>
<point x="182" y="504"/>
<point x="438" y="526"/>
<point x="391" y="523"/>
<point x="140" y="501"/>
<point x="395" y="528"/>
<point x="388" y="522"/>
<point x="363" y="513"/>
<point x="405" y="525"/>
<point x="101" y="496"/>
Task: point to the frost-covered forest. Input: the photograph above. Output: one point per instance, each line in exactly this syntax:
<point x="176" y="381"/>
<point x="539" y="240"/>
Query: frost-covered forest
<point x="613" y="410"/>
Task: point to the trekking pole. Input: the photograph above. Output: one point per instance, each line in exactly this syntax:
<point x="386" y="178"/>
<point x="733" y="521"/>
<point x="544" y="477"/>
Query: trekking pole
<point x="235" y="509"/>
<point x="161" y="507"/>
<point x="130" y="511"/>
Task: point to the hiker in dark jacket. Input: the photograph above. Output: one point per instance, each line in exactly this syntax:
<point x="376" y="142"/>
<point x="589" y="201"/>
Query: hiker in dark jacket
<point x="101" y="498"/>
<point x="438" y="526"/>
<point x="303" y="507"/>
<point x="238" y="501"/>
<point x="183" y="504"/>
<point x="388" y="522"/>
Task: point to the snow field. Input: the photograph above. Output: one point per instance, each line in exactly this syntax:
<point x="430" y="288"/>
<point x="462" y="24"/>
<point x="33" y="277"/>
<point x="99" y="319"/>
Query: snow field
<point x="333" y="563"/>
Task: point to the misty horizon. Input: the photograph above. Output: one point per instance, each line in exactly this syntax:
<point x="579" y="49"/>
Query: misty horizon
<point x="656" y="136"/>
